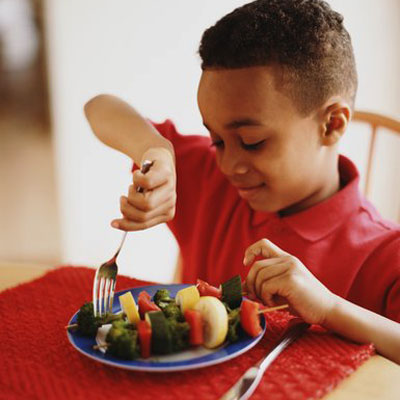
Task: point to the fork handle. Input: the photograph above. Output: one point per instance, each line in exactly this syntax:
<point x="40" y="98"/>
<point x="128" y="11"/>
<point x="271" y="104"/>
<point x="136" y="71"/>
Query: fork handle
<point x="120" y="246"/>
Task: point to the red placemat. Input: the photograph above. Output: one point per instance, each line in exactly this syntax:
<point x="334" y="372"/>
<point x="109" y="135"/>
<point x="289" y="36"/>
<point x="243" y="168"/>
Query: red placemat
<point x="37" y="362"/>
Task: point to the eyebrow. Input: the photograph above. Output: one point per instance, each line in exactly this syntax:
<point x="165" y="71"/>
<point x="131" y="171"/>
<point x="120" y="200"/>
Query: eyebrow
<point x="239" y="123"/>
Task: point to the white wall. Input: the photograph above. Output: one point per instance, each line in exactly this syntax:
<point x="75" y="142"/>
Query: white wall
<point x="145" y="52"/>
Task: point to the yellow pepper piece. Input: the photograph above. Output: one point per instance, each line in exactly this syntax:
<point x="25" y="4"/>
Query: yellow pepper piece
<point x="187" y="298"/>
<point x="129" y="307"/>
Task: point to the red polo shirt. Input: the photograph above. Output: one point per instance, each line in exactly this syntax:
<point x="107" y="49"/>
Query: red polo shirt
<point x="342" y="240"/>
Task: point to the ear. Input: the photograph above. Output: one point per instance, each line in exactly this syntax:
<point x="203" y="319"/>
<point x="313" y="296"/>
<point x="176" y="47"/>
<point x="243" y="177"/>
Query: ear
<point x="336" y="117"/>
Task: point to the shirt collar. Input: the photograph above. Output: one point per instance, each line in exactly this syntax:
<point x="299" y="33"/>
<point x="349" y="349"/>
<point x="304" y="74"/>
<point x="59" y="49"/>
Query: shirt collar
<point x="320" y="220"/>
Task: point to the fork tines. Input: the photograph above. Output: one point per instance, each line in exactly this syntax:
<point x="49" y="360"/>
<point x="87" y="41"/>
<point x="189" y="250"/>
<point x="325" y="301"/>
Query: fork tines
<point x="103" y="290"/>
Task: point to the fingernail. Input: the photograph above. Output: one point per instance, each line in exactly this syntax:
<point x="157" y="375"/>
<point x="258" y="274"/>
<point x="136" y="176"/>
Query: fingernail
<point x="115" y="224"/>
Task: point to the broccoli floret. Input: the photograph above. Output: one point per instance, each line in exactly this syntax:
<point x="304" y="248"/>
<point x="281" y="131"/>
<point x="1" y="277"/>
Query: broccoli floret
<point x="110" y="318"/>
<point x="228" y="309"/>
<point x="122" y="343"/>
<point x="118" y="327"/>
<point x="87" y="322"/>
<point x="113" y="335"/>
<point x="233" y="325"/>
<point x="179" y="334"/>
<point x="122" y="340"/>
<point x="162" y="295"/>
<point x="121" y="324"/>
<point x="168" y="305"/>
<point x="173" y="311"/>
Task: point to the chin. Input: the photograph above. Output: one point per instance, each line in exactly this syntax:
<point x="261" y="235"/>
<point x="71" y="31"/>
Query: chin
<point x="268" y="207"/>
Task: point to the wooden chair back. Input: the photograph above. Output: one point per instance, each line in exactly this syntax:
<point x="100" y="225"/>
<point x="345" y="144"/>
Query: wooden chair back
<point x="376" y="123"/>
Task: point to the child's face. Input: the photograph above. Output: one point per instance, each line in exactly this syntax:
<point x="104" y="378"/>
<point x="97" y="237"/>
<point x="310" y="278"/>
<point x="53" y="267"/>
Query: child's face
<point x="264" y="146"/>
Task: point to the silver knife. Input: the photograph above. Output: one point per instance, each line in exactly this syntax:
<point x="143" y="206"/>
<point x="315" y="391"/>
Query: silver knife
<point x="248" y="382"/>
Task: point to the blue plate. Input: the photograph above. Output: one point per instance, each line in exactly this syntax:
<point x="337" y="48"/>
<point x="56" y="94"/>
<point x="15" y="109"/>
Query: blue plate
<point x="198" y="357"/>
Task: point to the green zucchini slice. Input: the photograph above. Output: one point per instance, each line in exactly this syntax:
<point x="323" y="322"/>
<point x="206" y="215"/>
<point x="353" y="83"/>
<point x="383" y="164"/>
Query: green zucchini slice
<point x="161" y="341"/>
<point x="232" y="292"/>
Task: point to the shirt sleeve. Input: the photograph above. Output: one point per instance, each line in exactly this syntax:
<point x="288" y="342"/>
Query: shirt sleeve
<point x="195" y="164"/>
<point x="391" y="258"/>
<point x="377" y="286"/>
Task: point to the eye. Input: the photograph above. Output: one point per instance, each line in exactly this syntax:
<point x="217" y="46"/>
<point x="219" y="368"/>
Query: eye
<point x="253" y="146"/>
<point x="218" y="144"/>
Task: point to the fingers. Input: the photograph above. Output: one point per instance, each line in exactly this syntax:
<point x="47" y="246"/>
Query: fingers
<point x="262" y="271"/>
<point x="148" y="211"/>
<point x="144" y="210"/>
<point x="270" y="284"/>
<point x="155" y="203"/>
<point x="158" y="175"/>
<point x="271" y="289"/>
<point x="137" y="219"/>
<point x="264" y="248"/>
<point x="150" y="199"/>
<point x="276" y="262"/>
<point x="127" y="225"/>
<point x="280" y="277"/>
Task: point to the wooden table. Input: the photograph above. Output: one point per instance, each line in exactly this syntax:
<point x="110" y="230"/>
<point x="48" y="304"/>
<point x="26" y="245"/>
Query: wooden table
<point x="377" y="378"/>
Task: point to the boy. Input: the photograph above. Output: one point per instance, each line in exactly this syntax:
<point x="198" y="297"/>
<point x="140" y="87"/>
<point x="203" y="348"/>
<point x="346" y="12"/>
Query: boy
<point x="276" y="94"/>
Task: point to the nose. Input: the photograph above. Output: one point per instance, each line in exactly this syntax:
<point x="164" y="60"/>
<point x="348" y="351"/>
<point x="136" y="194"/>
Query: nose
<point x="232" y="163"/>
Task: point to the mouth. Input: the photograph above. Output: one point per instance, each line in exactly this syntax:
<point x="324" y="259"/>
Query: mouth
<point x="247" y="192"/>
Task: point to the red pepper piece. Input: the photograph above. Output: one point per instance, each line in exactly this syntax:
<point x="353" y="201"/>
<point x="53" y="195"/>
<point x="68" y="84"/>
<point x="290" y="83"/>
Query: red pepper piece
<point x="145" y="304"/>
<point x="205" y="289"/>
<point x="144" y="294"/>
<point x="249" y="318"/>
<point x="195" y="321"/>
<point x="144" y="332"/>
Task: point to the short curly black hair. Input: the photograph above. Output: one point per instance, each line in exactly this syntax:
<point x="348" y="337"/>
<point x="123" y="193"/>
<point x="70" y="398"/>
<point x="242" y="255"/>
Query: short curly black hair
<point x="306" y="38"/>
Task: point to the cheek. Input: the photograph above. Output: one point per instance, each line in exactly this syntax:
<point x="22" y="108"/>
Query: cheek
<point x="281" y="175"/>
<point x="271" y="165"/>
<point x="291" y="160"/>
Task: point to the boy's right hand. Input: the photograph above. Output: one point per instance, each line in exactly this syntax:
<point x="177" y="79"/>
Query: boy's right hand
<point x="157" y="203"/>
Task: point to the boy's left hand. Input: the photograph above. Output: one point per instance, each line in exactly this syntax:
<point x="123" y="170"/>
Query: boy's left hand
<point x="284" y="276"/>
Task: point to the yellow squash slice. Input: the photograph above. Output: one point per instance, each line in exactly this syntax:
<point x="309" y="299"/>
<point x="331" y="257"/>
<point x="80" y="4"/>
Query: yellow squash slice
<point x="187" y="298"/>
<point x="129" y="307"/>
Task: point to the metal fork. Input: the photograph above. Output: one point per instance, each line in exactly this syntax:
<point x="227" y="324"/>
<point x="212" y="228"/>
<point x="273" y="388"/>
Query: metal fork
<point x="106" y="275"/>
